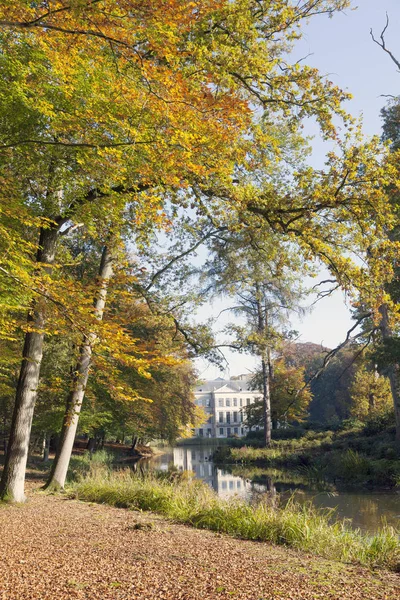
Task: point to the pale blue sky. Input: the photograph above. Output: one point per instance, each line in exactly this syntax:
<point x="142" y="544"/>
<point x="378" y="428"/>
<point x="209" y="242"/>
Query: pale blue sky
<point x="342" y="49"/>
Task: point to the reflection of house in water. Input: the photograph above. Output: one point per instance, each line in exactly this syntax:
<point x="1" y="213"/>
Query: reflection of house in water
<point x="199" y="460"/>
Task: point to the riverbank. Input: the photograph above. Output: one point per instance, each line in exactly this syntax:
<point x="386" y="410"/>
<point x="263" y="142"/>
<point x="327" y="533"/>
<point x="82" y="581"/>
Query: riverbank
<point x="53" y="547"/>
<point x="354" y="457"/>
<point x="188" y="501"/>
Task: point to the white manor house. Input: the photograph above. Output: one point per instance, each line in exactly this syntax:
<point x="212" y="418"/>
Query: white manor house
<point x="224" y="402"/>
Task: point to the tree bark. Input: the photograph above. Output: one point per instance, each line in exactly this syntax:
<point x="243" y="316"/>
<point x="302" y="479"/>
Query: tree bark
<point x="12" y="481"/>
<point x="266" y="367"/>
<point x="5" y="433"/>
<point x="91" y="445"/>
<point x="393" y="371"/>
<point x="46" y="447"/>
<point x="74" y="403"/>
<point x="266" y="402"/>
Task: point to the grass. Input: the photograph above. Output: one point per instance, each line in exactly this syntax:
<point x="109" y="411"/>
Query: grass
<point x="85" y="462"/>
<point x="192" y="502"/>
<point x="351" y="457"/>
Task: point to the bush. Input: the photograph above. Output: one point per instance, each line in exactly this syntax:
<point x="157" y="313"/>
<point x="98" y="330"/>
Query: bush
<point x="288" y="434"/>
<point x="379" y="423"/>
<point x="88" y="461"/>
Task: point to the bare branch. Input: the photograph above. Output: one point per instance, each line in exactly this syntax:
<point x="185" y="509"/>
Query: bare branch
<point x="70" y="229"/>
<point x="323" y="283"/>
<point x="332" y="353"/>
<point x="382" y="42"/>
<point x="182" y="255"/>
<point x="325" y="294"/>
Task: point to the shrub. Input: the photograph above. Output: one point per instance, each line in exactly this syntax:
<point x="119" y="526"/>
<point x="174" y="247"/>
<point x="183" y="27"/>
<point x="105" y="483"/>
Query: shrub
<point x="378" y="423"/>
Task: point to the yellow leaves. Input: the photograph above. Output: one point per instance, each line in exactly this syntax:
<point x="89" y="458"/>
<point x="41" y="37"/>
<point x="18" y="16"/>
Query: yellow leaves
<point x="176" y="84"/>
<point x="370" y="394"/>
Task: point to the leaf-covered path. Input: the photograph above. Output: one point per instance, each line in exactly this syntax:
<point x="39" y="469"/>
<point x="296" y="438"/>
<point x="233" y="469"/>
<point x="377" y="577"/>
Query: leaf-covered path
<point x="55" y="548"/>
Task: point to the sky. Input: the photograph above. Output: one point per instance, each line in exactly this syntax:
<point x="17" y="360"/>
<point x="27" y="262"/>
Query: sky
<point x="342" y="49"/>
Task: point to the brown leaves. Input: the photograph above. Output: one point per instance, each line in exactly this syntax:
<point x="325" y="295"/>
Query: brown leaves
<point x="54" y="548"/>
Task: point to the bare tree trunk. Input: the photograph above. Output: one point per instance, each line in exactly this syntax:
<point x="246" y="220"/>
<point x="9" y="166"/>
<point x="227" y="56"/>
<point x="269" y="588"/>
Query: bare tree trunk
<point x="12" y="481"/>
<point x="74" y="403"/>
<point x="5" y="433"/>
<point x="265" y="367"/>
<point x="393" y="371"/>
<point x="91" y="445"/>
<point x="46" y="447"/>
<point x="372" y="393"/>
<point x="266" y="402"/>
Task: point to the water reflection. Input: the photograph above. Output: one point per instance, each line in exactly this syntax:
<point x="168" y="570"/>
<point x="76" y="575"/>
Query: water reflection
<point x="198" y="459"/>
<point x="366" y="510"/>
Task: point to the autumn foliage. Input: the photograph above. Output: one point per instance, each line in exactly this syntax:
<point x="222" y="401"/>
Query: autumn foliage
<point x="122" y="118"/>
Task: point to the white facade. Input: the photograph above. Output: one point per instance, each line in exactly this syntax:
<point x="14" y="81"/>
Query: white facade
<point x="224" y="402"/>
<point x="199" y="460"/>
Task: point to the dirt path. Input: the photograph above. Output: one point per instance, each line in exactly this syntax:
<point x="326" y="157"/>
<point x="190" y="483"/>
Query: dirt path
<point x="52" y="548"/>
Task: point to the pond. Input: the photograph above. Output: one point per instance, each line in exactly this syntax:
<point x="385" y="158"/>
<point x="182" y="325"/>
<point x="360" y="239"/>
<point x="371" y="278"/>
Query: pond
<point x="365" y="509"/>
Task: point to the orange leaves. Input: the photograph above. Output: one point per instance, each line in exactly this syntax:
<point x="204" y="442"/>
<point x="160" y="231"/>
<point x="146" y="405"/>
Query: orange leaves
<point x="166" y="91"/>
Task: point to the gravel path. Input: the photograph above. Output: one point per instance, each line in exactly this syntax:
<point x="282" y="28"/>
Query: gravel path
<point x="52" y="548"/>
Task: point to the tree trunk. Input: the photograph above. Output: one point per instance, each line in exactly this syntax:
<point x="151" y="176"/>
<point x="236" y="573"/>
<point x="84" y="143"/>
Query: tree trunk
<point x="266" y="402"/>
<point x="74" y="403"/>
<point x="91" y="445"/>
<point x="5" y="433"/>
<point x="12" y="481"/>
<point x="266" y="365"/>
<point x="46" y="447"/>
<point x="372" y="393"/>
<point x="393" y="371"/>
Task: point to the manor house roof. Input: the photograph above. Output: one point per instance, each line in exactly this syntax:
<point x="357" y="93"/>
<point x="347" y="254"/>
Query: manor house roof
<point x="222" y="385"/>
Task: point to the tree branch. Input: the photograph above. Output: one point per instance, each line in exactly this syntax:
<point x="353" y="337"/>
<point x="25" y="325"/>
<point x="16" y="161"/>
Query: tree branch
<point x="382" y="43"/>
<point x="175" y="259"/>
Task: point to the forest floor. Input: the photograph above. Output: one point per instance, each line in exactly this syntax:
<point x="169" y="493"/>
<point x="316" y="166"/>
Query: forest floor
<point x="56" y="548"/>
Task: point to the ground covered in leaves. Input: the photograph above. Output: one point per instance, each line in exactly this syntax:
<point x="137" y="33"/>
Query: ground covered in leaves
<point x="56" y="548"/>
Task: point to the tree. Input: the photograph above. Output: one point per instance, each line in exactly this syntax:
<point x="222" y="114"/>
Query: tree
<point x="370" y="394"/>
<point x="263" y="277"/>
<point x="165" y="96"/>
<point x="157" y="407"/>
<point x="81" y="374"/>
<point x="386" y="311"/>
<point x="65" y="105"/>
<point x="290" y="397"/>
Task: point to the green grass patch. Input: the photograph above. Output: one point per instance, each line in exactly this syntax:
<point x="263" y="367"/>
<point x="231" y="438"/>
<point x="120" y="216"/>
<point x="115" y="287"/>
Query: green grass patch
<point x="349" y="456"/>
<point x="194" y="503"/>
<point x="82" y="464"/>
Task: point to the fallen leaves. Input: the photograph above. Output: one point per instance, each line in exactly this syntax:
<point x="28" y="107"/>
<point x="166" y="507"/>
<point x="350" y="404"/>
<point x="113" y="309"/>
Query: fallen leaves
<point x="57" y="548"/>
